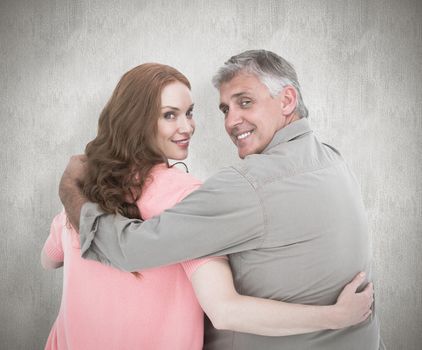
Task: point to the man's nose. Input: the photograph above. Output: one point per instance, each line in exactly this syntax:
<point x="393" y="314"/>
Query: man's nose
<point x="233" y="118"/>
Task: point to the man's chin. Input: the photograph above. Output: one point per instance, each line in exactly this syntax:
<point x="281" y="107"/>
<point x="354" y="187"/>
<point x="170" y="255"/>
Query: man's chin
<point x="243" y="154"/>
<point x="247" y="151"/>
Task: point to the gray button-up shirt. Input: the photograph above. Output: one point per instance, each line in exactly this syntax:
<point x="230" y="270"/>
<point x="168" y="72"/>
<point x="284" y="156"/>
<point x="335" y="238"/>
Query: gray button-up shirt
<point x="291" y="220"/>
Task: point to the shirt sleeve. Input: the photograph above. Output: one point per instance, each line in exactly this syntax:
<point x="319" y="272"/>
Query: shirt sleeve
<point x="53" y="247"/>
<point x="223" y="216"/>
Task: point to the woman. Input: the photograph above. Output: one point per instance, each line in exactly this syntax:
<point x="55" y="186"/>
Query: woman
<point x="148" y="120"/>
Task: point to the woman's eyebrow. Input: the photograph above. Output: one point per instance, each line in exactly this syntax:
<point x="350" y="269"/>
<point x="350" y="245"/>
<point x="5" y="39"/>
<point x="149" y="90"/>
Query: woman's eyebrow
<point x="176" y="108"/>
<point x="171" y="107"/>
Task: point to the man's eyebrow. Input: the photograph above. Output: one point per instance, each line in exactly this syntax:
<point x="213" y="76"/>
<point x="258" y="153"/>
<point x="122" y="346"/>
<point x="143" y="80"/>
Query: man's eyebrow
<point x="236" y="95"/>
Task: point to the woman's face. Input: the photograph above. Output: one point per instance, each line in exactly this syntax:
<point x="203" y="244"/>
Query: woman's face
<point x="175" y="124"/>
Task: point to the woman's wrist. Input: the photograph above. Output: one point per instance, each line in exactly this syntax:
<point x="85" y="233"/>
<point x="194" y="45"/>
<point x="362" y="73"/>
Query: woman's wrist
<point x="334" y="317"/>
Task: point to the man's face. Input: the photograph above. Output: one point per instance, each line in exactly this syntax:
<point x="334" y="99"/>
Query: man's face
<point x="252" y="116"/>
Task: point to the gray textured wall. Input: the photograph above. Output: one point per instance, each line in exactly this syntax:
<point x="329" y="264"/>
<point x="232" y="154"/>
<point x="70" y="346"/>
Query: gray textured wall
<point x="360" y="66"/>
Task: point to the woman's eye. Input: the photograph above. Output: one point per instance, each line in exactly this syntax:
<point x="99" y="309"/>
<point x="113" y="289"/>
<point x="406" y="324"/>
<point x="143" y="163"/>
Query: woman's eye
<point x="189" y="114"/>
<point x="169" y="115"/>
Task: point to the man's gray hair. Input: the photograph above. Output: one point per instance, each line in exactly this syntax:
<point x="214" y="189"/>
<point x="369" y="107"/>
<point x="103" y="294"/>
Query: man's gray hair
<point x="272" y="70"/>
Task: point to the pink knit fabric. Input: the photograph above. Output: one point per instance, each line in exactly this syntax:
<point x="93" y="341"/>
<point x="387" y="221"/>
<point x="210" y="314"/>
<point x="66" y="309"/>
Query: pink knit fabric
<point x="104" y="308"/>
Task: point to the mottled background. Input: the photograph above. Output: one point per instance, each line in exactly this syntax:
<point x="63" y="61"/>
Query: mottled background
<point x="359" y="63"/>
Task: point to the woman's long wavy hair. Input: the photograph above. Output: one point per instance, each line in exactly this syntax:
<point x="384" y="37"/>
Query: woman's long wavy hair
<point x="120" y="158"/>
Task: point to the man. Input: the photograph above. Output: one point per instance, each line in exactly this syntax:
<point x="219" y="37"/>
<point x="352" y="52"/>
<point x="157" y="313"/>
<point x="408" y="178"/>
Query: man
<point x="289" y="214"/>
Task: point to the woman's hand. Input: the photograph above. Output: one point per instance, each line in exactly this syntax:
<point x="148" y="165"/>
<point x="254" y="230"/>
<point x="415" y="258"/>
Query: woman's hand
<point x="353" y="307"/>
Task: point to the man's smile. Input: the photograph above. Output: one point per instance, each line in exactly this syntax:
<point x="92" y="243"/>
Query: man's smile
<point x="244" y="135"/>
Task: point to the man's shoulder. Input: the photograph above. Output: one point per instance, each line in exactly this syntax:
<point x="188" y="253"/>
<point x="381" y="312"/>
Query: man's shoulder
<point x="260" y="168"/>
<point x="229" y="179"/>
<point x="287" y="160"/>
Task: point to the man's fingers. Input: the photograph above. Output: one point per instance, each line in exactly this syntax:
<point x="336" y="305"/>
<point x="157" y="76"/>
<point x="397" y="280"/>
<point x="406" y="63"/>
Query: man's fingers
<point x="79" y="157"/>
<point x="76" y="169"/>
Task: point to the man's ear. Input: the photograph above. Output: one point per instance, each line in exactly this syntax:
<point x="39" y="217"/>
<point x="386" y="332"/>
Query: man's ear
<point x="288" y="100"/>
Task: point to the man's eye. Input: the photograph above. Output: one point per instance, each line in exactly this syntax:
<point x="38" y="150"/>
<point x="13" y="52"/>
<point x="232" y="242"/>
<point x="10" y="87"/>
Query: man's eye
<point x="245" y="103"/>
<point x="169" y="115"/>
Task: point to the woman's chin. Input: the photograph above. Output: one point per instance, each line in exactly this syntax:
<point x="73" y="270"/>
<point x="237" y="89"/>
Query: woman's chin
<point x="179" y="156"/>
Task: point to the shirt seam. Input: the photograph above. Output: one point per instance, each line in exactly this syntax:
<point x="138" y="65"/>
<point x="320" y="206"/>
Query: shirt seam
<point x="264" y="215"/>
<point x="289" y="176"/>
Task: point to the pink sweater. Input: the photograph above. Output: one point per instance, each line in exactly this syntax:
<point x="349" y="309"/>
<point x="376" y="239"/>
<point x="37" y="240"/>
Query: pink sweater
<point x="104" y="308"/>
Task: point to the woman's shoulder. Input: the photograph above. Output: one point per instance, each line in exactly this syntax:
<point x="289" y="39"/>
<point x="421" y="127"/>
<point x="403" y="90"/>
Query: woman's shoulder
<point x="166" y="187"/>
<point x="172" y="177"/>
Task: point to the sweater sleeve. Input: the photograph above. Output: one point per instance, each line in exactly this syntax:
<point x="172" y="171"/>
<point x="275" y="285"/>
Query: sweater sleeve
<point x="191" y="266"/>
<point x="53" y="247"/>
<point x="223" y="216"/>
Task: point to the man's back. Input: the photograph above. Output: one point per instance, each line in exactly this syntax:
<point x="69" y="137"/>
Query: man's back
<point x="315" y="239"/>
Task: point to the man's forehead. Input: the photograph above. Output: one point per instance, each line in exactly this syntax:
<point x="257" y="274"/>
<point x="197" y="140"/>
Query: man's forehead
<point x="241" y="84"/>
<point x="241" y="78"/>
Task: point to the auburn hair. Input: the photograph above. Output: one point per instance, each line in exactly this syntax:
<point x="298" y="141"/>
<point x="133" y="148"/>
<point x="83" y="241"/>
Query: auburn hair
<point x="124" y="151"/>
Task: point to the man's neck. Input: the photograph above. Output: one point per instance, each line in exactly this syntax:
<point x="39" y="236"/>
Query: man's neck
<point x="291" y="118"/>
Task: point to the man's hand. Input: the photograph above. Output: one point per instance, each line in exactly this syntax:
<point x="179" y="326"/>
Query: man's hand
<point x="70" y="188"/>
<point x="353" y="307"/>
<point x="76" y="169"/>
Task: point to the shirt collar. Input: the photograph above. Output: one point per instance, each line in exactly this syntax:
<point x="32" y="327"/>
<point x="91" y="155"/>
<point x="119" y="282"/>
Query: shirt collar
<point x="297" y="128"/>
